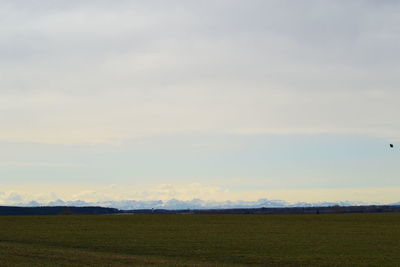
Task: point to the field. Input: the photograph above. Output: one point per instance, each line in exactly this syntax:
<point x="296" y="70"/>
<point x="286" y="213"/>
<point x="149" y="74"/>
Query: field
<point x="201" y="240"/>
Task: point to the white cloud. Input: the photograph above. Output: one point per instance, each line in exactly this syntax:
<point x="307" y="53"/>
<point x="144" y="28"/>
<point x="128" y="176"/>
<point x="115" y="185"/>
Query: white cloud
<point x="37" y="164"/>
<point x="191" y="194"/>
<point x="99" y="72"/>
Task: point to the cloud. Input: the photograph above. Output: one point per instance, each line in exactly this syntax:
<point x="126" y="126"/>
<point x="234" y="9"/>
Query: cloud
<point x="194" y="196"/>
<point x="92" y="198"/>
<point x="37" y="164"/>
<point x="25" y="197"/>
<point x="88" y="72"/>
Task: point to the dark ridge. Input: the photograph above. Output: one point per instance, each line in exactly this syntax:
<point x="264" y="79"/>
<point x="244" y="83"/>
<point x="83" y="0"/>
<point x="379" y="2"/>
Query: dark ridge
<point x="61" y="210"/>
<point x="66" y="210"/>
<point x="288" y="210"/>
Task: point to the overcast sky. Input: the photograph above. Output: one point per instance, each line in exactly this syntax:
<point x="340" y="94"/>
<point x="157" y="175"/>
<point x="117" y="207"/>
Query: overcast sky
<point x="235" y="95"/>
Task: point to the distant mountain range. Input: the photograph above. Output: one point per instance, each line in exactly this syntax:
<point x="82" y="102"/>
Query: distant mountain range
<point x="175" y="204"/>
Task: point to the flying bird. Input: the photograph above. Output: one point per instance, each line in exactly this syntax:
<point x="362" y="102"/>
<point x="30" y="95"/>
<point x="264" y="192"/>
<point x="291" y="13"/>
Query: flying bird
<point x="391" y="145"/>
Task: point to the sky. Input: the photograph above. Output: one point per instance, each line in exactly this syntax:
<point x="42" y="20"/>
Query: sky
<point x="215" y="100"/>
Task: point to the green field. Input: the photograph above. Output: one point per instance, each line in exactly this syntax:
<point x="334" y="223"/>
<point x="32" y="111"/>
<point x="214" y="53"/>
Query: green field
<point x="201" y="240"/>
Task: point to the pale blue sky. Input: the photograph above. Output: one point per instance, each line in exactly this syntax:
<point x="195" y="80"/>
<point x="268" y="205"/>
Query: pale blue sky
<point x="228" y="162"/>
<point x="199" y="99"/>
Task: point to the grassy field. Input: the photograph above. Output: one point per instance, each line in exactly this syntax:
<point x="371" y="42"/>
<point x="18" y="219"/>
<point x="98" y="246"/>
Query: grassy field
<point x="201" y="240"/>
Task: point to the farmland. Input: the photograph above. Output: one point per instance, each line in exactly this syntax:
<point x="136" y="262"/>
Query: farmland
<point x="201" y="240"/>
